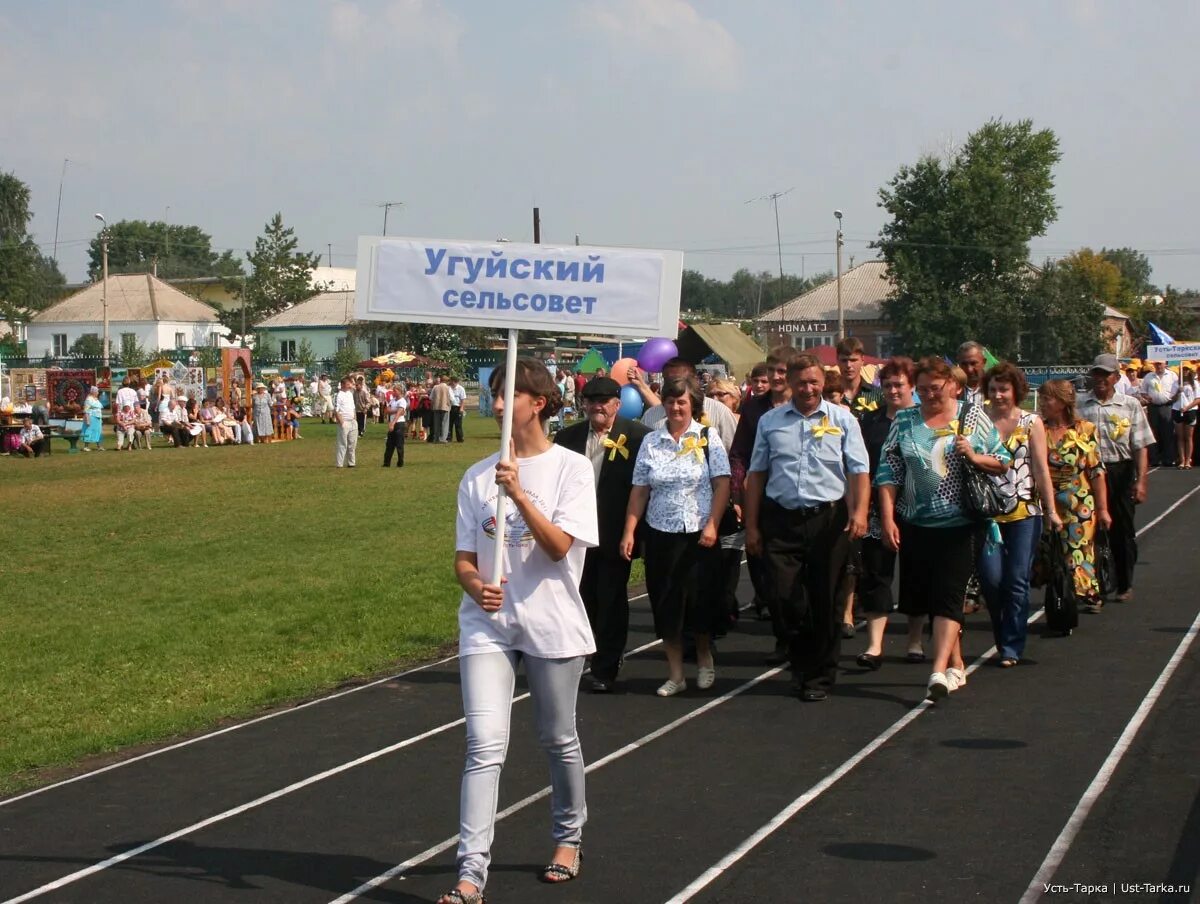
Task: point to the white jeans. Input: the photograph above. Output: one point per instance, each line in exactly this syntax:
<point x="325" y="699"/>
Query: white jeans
<point x="347" y="443"/>
<point x="488" y="680"/>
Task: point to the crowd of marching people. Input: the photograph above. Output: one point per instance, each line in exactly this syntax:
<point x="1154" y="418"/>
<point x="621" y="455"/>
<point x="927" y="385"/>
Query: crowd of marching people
<point x="938" y="473"/>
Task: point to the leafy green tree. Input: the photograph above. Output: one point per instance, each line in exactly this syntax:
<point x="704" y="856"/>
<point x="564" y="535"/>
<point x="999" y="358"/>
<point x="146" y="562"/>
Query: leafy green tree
<point x="306" y="356"/>
<point x="345" y="359"/>
<point x="266" y="350"/>
<point x="1101" y="277"/>
<point x="958" y="239"/>
<point x="744" y="295"/>
<point x="87" y="346"/>
<point x="280" y="277"/>
<point x="29" y="280"/>
<point x="176" y="251"/>
<point x="132" y="353"/>
<point x="1167" y="315"/>
<point x="1062" y="317"/>
<point x="1135" y="272"/>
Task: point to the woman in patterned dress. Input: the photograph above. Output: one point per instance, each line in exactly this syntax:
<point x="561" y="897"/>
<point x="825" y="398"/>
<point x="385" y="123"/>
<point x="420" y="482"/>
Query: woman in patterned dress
<point x="1004" y="567"/>
<point x="922" y="509"/>
<point x="1080" y="493"/>
<point x="681" y="486"/>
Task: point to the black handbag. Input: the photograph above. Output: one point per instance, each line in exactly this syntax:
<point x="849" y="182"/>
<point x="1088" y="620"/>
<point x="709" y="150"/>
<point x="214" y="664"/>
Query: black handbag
<point x="1106" y="568"/>
<point x="981" y="496"/>
<point x="729" y="523"/>
<point x="1061" y="604"/>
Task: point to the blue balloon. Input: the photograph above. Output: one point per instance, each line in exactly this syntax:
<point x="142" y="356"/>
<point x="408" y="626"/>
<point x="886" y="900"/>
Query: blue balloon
<point x="631" y="403"/>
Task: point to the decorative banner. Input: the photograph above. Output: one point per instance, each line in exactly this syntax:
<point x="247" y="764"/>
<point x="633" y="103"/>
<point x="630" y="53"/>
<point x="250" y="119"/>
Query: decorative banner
<point x="1180" y="351"/>
<point x="563" y="288"/>
<point x="68" y="390"/>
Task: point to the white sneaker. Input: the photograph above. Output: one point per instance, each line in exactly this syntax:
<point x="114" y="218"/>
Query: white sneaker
<point x="938" y="687"/>
<point x="955" y="678"/>
<point x="671" y="688"/>
<point x="705" y="677"/>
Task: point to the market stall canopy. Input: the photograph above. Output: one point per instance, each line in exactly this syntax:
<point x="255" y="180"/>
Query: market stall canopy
<point x="398" y="359"/>
<point x="739" y="351"/>
<point x="591" y="362"/>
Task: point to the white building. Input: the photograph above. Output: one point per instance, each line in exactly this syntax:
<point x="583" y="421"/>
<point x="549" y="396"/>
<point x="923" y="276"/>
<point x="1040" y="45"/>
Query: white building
<point x="158" y="315"/>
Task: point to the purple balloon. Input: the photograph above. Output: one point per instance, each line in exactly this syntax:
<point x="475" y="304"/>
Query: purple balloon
<point x="655" y="353"/>
<point x="631" y="403"/>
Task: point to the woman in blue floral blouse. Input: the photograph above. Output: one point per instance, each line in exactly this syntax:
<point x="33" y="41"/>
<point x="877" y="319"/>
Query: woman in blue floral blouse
<point x="681" y="487"/>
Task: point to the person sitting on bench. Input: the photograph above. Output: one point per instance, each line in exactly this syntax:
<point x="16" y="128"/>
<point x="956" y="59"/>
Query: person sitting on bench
<point x="173" y="423"/>
<point x="33" y="441"/>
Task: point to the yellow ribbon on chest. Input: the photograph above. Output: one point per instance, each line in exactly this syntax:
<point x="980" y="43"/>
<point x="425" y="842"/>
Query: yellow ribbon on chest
<point x="862" y="403"/>
<point x="1118" y="426"/>
<point x="693" y="445"/>
<point x="825" y="429"/>
<point x="617" y="448"/>
<point x="949" y="430"/>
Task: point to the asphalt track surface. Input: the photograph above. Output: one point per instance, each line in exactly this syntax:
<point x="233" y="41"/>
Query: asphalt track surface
<point x="1080" y="767"/>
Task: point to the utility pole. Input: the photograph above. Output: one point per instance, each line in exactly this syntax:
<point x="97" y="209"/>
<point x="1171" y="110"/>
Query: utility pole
<point x="388" y="205"/>
<point x="774" y="199"/>
<point x="58" y="214"/>
<point x="841" y="313"/>
<point x="104" y="284"/>
<point x="329" y="255"/>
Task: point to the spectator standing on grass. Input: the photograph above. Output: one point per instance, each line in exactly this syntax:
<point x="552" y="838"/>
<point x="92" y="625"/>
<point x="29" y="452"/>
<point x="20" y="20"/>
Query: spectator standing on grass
<point x="126" y="395"/>
<point x="458" y="401"/>
<point x="439" y="403"/>
<point x="260" y="405"/>
<point x="397" y="413"/>
<point x="535" y="616"/>
<point x="1125" y="436"/>
<point x="324" y="407"/>
<point x="806" y="498"/>
<point x="362" y="403"/>
<point x="93" y="421"/>
<point x="345" y="415"/>
<point x="33" y="441"/>
<point x="611" y="444"/>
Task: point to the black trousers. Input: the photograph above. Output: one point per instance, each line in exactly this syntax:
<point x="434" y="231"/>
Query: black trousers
<point x="38" y="446"/>
<point x="1122" y="538"/>
<point x="395" y="443"/>
<point x="806" y="555"/>
<point x="875" y="578"/>
<point x="731" y="569"/>
<point x="764" y="591"/>
<point x="456" y="422"/>
<point x="1162" y="453"/>
<point x="605" y="591"/>
<point x="361" y="418"/>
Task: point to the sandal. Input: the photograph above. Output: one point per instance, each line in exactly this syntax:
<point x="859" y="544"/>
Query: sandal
<point x="454" y="896"/>
<point x="556" y="872"/>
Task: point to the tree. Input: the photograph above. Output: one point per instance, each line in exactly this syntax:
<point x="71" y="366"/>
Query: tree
<point x="280" y="277"/>
<point x="957" y="244"/>
<point x="306" y="356"/>
<point x="1167" y="315"/>
<point x="87" y="346"/>
<point x="745" y="295"/>
<point x="132" y="353"/>
<point x="1100" y="276"/>
<point x="28" y="278"/>
<point x="1135" y="272"/>
<point x="1062" y="317"/>
<point x="174" y="251"/>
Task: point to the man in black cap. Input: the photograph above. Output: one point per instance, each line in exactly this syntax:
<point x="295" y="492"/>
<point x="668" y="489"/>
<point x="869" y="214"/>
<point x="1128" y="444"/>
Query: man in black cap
<point x="612" y="444"/>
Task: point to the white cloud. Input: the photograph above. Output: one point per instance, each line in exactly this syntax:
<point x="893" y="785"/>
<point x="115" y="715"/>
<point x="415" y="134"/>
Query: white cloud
<point x="671" y="28"/>
<point x="413" y="23"/>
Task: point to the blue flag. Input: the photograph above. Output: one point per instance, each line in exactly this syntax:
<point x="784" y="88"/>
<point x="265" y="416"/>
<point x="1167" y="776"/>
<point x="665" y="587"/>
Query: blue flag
<point x="1158" y="336"/>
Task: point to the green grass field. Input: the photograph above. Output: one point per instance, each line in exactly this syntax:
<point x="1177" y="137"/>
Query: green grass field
<point x="148" y="595"/>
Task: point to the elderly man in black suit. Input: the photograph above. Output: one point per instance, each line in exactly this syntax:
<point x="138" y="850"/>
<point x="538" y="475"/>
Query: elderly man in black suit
<point x="612" y="444"/>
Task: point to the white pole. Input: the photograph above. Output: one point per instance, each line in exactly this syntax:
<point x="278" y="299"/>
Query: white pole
<point x="510" y="369"/>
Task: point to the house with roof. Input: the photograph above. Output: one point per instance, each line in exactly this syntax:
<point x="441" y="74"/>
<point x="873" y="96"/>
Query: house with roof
<point x="156" y="314"/>
<point x="324" y="321"/>
<point x="811" y="320"/>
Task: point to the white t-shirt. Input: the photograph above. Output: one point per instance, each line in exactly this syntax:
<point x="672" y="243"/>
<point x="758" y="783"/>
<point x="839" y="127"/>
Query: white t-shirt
<point x="543" y="613"/>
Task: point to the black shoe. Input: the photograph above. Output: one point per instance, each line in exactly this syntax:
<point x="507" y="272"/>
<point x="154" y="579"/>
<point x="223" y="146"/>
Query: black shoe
<point x="869" y="661"/>
<point x="847" y="630"/>
<point x="813" y="695"/>
<point x="600" y="685"/>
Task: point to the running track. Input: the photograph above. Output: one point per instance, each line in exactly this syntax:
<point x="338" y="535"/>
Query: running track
<point x="1080" y="766"/>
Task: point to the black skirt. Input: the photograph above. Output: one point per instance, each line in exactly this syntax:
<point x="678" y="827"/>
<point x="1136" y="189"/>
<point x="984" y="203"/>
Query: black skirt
<point x="684" y="583"/>
<point x="936" y="564"/>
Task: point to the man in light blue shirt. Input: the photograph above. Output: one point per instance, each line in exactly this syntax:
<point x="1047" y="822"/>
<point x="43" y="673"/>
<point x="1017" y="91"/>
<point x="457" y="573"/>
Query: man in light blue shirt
<point x="458" y="398"/>
<point x="805" y="499"/>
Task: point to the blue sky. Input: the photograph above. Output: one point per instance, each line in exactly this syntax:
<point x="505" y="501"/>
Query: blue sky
<point x="630" y="122"/>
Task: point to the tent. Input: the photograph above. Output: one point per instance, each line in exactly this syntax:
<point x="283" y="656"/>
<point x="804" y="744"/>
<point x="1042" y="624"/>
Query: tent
<point x="739" y="351"/>
<point x="591" y="362"/>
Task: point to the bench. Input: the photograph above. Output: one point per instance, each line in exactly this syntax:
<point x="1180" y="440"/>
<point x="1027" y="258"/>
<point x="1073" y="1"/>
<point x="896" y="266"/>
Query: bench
<point x="70" y="429"/>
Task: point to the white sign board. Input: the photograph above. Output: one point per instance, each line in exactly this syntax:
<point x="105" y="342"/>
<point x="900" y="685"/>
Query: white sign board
<point x="559" y="288"/>
<point x="1180" y="351"/>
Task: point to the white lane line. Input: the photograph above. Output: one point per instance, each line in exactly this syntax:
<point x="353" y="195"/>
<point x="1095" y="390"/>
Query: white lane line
<point x="712" y="874"/>
<point x="1066" y="838"/>
<point x="629" y="748"/>
<point x="266" y="798"/>
<point x="240" y="725"/>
